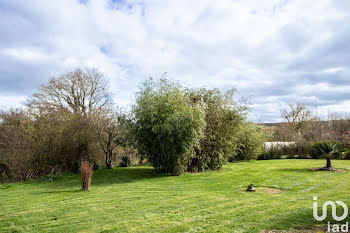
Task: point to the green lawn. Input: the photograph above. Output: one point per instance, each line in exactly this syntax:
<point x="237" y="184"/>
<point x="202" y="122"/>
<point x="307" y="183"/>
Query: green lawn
<point x="135" y="200"/>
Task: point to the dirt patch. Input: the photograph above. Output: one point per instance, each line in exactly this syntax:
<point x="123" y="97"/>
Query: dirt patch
<point x="264" y="190"/>
<point x="321" y="170"/>
<point x="269" y="190"/>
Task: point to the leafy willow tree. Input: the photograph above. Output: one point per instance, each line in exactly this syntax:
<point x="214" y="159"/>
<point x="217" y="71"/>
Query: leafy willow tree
<point x="167" y="125"/>
<point x="223" y="117"/>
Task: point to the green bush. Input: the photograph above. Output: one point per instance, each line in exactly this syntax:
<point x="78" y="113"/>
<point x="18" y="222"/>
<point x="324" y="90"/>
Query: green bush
<point x="270" y="154"/>
<point x="250" y="142"/>
<point x="167" y="126"/>
<point x="298" y="151"/>
<point x="223" y="118"/>
<point x="315" y="152"/>
<point x="126" y="161"/>
<point x="334" y="150"/>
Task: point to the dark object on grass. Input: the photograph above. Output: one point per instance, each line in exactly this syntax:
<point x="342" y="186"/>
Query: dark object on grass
<point x="250" y="188"/>
<point x="86" y="170"/>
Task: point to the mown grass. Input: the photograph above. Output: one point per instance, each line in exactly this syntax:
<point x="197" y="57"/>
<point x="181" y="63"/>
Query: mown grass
<point x="136" y="200"/>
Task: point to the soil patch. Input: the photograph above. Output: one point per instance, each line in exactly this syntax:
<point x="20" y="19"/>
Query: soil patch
<point x="322" y="170"/>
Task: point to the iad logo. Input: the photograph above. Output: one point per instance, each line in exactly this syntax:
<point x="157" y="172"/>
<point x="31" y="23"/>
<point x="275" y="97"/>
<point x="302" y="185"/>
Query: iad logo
<point x="335" y="227"/>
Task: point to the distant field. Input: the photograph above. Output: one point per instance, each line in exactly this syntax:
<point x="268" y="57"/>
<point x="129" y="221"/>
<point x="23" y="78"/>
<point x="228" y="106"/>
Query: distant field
<point x="135" y="200"/>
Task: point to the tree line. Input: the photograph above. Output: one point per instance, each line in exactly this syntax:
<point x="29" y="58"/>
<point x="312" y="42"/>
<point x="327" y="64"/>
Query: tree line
<point x="312" y="133"/>
<point x="72" y="118"/>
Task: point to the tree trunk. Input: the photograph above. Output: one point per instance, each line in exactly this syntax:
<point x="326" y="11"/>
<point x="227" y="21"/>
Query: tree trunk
<point x="329" y="165"/>
<point x="110" y="155"/>
<point x="108" y="162"/>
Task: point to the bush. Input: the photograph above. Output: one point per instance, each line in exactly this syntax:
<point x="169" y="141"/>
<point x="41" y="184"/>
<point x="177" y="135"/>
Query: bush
<point x="315" y="152"/>
<point x="267" y="155"/>
<point x="250" y="142"/>
<point x="126" y="161"/>
<point x="5" y="174"/>
<point x="167" y="126"/>
<point x="296" y="151"/>
<point x="223" y="117"/>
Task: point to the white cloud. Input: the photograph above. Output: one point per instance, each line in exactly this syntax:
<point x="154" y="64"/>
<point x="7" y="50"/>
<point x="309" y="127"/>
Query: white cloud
<point x="272" y="51"/>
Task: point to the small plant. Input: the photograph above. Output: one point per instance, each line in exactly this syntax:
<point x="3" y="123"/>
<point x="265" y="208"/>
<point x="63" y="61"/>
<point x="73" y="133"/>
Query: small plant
<point x="86" y="170"/>
<point x="328" y="150"/>
<point x="126" y="161"/>
<point x="49" y="177"/>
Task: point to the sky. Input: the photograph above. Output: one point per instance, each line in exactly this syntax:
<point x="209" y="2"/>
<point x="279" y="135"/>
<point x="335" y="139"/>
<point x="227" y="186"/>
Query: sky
<point x="272" y="52"/>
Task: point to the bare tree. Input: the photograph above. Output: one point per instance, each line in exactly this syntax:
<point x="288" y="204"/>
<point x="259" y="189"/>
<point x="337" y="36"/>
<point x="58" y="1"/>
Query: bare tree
<point x="340" y="125"/>
<point x="111" y="134"/>
<point x="297" y="116"/>
<point x="81" y="99"/>
<point x="82" y="92"/>
<point x="16" y="152"/>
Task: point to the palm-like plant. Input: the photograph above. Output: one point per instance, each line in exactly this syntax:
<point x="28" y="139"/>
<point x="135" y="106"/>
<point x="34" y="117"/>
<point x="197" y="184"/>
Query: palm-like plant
<point x="328" y="150"/>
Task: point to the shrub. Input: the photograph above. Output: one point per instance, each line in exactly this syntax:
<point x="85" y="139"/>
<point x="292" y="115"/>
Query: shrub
<point x="315" y="152"/>
<point x="142" y="160"/>
<point x="126" y="161"/>
<point x="250" y="142"/>
<point x="86" y="170"/>
<point x="5" y="174"/>
<point x="267" y="155"/>
<point x="167" y="126"/>
<point x="299" y="150"/>
<point x="223" y="117"/>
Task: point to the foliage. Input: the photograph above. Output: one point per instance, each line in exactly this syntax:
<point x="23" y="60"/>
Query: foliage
<point x="250" y="142"/>
<point x="326" y="149"/>
<point x="112" y="132"/>
<point x="126" y="161"/>
<point x="17" y="147"/>
<point x="223" y="117"/>
<point x="299" y="150"/>
<point x="58" y="127"/>
<point x="167" y="126"/>
<point x="315" y="152"/>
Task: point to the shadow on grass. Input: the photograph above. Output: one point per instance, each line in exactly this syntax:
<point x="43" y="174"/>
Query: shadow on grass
<point x="124" y="175"/>
<point x="300" y="170"/>
<point x="64" y="191"/>
<point x="309" y="170"/>
<point x="103" y="177"/>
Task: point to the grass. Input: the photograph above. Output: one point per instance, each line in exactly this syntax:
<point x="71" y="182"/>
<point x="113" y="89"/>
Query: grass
<point x="136" y="200"/>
